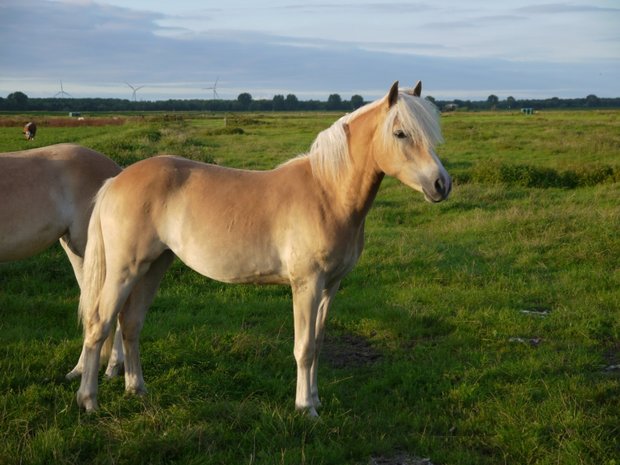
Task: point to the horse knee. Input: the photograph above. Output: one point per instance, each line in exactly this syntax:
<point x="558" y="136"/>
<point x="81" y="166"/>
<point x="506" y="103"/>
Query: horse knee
<point x="304" y="354"/>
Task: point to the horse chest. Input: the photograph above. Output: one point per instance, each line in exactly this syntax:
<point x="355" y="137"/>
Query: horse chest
<point x="342" y="256"/>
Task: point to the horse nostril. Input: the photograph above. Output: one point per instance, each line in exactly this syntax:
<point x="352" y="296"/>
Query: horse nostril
<point x="440" y="186"/>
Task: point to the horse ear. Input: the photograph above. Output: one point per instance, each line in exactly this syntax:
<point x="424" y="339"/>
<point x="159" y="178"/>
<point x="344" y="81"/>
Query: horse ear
<point x="417" y="90"/>
<point x="393" y="95"/>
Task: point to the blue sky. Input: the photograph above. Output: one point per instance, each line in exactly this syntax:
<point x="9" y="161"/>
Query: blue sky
<point x="177" y="49"/>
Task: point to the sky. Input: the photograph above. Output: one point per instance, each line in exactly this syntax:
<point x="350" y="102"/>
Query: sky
<point x="180" y="49"/>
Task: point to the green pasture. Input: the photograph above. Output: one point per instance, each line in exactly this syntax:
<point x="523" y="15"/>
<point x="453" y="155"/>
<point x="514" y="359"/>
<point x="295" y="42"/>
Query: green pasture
<point x="483" y="330"/>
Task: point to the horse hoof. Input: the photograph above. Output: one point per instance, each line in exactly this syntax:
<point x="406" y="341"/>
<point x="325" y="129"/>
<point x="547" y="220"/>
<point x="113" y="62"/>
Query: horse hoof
<point x="308" y="411"/>
<point x="113" y="370"/>
<point x="86" y="402"/>
<point x="139" y="391"/>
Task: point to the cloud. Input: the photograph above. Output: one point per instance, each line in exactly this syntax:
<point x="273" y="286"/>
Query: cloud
<point x="76" y="39"/>
<point x="559" y="8"/>
<point x="94" y="48"/>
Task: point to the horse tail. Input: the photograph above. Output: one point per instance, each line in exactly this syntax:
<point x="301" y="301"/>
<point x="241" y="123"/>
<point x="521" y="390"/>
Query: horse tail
<point x="95" y="272"/>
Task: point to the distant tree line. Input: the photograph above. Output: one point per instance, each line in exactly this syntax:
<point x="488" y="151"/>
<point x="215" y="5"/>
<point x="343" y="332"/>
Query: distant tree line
<point x="19" y="101"/>
<point x="510" y="103"/>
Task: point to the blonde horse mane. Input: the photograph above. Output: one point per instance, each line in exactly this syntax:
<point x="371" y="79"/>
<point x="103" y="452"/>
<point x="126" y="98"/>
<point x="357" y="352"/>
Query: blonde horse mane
<point x="329" y="153"/>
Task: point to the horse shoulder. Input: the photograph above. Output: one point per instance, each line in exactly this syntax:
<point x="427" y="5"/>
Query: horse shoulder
<point x="317" y="233"/>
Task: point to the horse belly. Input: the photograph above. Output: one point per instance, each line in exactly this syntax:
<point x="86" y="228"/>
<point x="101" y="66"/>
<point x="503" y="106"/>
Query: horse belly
<point x="26" y="230"/>
<point x="28" y="242"/>
<point x="234" y="263"/>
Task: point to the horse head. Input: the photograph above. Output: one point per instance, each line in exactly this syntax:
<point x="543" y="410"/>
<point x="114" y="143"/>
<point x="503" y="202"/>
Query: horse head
<point x="407" y="137"/>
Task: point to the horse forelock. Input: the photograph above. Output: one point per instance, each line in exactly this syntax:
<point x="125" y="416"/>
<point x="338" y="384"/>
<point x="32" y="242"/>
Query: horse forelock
<point x="418" y="117"/>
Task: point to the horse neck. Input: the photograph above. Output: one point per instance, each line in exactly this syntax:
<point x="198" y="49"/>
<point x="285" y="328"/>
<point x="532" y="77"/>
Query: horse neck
<point x="358" y="187"/>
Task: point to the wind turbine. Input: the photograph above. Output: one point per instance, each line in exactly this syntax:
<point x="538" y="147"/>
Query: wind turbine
<point x="214" y="88"/>
<point x="134" y="89"/>
<point x="62" y="92"/>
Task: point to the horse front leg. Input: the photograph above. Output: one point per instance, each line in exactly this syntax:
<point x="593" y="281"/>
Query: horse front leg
<point x="324" y="306"/>
<point x="77" y="262"/>
<point x="306" y="299"/>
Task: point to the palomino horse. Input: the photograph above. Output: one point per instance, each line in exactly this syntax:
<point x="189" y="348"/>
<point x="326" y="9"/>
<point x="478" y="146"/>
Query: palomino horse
<point x="301" y="224"/>
<point x="46" y="194"/>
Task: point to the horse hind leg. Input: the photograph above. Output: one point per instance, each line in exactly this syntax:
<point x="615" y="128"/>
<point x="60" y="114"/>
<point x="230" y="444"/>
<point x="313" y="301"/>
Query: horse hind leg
<point x="132" y="317"/>
<point x="115" y="363"/>
<point x="97" y="326"/>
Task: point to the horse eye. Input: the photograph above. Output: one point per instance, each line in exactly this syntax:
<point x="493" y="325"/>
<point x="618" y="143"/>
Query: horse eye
<point x="400" y="134"/>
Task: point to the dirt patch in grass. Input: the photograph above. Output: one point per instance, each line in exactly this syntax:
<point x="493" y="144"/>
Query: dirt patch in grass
<point x="348" y="350"/>
<point x="401" y="459"/>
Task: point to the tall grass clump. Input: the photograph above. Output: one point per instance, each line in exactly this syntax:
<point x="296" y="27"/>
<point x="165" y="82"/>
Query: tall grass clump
<point x="526" y="175"/>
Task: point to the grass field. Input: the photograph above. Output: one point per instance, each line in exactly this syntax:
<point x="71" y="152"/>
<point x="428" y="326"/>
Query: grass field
<point x="483" y="330"/>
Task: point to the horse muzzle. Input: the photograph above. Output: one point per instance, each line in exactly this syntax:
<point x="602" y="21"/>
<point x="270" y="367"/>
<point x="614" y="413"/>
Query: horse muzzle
<point x="439" y="189"/>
